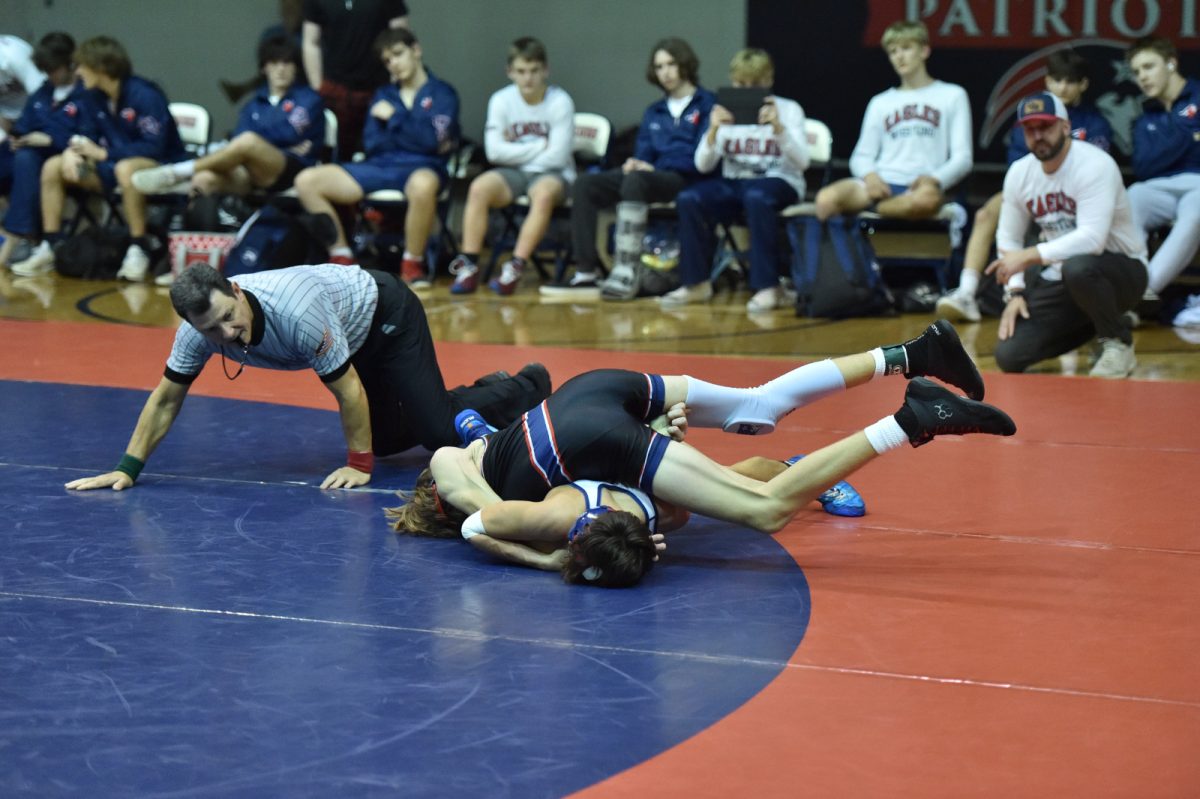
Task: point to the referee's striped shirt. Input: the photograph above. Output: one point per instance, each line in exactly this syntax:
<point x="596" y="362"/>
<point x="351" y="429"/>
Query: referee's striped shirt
<point x="314" y="317"/>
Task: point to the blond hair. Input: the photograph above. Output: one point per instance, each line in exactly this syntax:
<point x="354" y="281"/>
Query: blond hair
<point x="423" y="513"/>
<point x="905" y="31"/>
<point x="752" y="66"/>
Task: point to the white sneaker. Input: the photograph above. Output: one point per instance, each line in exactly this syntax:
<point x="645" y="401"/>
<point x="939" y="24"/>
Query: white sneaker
<point x="134" y="265"/>
<point x="156" y="180"/>
<point x="1188" y="317"/>
<point x="685" y="295"/>
<point x="768" y="300"/>
<point x="958" y="307"/>
<point x="1116" y="361"/>
<point x="39" y="262"/>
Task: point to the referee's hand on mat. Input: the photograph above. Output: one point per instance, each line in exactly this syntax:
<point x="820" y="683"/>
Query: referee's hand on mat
<point x="118" y="481"/>
<point x="346" y="477"/>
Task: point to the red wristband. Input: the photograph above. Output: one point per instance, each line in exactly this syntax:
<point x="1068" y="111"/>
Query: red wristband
<point x="363" y="461"/>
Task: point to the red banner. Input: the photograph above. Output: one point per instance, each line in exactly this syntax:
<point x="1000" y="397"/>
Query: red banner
<point x="1031" y="24"/>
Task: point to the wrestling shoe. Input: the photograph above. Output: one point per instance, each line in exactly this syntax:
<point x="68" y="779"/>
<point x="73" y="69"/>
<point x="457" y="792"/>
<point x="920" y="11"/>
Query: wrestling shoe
<point x="466" y="275"/>
<point x="510" y="276"/>
<point x="841" y="500"/>
<point x="930" y="410"/>
<point x="471" y="426"/>
<point x="936" y="353"/>
<point x="412" y="272"/>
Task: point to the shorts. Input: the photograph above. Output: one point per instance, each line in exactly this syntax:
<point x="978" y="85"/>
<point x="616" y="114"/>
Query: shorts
<point x="374" y="176"/>
<point x="519" y="181"/>
<point x="592" y="428"/>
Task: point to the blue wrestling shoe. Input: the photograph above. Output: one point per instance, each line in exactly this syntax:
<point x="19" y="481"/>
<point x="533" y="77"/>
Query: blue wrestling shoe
<point x="470" y="426"/>
<point x="841" y="500"/>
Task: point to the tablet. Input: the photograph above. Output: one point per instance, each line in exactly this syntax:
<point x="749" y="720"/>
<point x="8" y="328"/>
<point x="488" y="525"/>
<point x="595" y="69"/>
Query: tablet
<point x="743" y="103"/>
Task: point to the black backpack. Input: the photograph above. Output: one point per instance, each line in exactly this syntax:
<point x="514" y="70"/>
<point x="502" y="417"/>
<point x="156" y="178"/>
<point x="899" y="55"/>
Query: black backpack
<point x="273" y="239"/>
<point x="94" y="253"/>
<point x="835" y="271"/>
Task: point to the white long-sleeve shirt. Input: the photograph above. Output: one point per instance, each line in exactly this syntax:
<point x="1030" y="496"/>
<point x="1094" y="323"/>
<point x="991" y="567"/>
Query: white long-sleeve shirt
<point x="19" y="78"/>
<point x="533" y="138"/>
<point x="1081" y="208"/>
<point x="907" y="133"/>
<point x="754" y="151"/>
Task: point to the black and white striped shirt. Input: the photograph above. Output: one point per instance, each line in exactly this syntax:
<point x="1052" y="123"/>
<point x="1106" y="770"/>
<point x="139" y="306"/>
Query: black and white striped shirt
<point x="313" y="317"/>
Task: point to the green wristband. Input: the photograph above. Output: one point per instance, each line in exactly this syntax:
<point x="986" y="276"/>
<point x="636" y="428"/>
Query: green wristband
<point x="130" y="466"/>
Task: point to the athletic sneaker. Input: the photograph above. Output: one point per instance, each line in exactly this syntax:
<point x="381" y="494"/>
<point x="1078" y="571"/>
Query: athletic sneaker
<point x="471" y="426"/>
<point x="841" y="500"/>
<point x="581" y="286"/>
<point x="466" y="275"/>
<point x="958" y="307"/>
<point x="930" y="410"/>
<point x="510" y="276"/>
<point x="39" y="262"/>
<point x="1116" y="360"/>
<point x="342" y="260"/>
<point x="412" y="272"/>
<point x="686" y="295"/>
<point x="134" y="265"/>
<point x="621" y="284"/>
<point x="156" y="180"/>
<point x="771" y="298"/>
<point x="938" y="353"/>
<point x="1189" y="316"/>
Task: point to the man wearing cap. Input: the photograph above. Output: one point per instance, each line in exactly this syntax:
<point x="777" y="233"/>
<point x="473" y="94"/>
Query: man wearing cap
<point x="1091" y="258"/>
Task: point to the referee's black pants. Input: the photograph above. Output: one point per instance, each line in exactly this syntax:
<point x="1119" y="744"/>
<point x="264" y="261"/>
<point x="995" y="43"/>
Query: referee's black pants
<point x="409" y="402"/>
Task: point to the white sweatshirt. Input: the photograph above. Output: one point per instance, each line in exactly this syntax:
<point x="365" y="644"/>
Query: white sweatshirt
<point x="533" y="138"/>
<point x="1081" y="208"/>
<point x="754" y="151"/>
<point x="907" y="133"/>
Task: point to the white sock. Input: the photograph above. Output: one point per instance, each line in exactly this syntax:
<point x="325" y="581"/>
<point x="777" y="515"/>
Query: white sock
<point x="184" y="169"/>
<point x="408" y="256"/>
<point x="886" y="434"/>
<point x="880" y="363"/>
<point x="342" y="251"/>
<point x="968" y="282"/>
<point x="712" y="405"/>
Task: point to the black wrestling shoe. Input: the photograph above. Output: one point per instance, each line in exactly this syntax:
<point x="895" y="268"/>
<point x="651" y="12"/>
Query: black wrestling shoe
<point x="930" y="410"/>
<point x="938" y="353"/>
<point x="537" y="374"/>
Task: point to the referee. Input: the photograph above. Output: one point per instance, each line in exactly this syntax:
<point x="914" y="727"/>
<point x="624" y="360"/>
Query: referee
<point x="365" y="335"/>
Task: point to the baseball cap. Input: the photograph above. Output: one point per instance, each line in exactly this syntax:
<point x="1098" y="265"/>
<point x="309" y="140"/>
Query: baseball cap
<point x="1042" y="105"/>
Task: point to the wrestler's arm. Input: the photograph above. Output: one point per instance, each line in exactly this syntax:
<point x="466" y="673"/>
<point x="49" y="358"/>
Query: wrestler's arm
<point x="529" y="533"/>
<point x="459" y="480"/>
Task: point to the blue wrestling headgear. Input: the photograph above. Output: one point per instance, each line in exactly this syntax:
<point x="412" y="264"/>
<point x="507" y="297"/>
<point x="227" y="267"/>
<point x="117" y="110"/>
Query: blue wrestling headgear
<point x="586" y="518"/>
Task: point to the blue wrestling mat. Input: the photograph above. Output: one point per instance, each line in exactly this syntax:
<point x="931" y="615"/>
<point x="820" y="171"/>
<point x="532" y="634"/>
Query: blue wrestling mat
<point x="226" y="628"/>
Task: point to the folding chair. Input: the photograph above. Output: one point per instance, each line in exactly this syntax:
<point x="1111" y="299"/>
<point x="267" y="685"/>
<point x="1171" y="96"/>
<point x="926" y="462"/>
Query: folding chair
<point x="441" y="246"/>
<point x="590" y="148"/>
<point x="194" y="124"/>
<point x="820" y="154"/>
